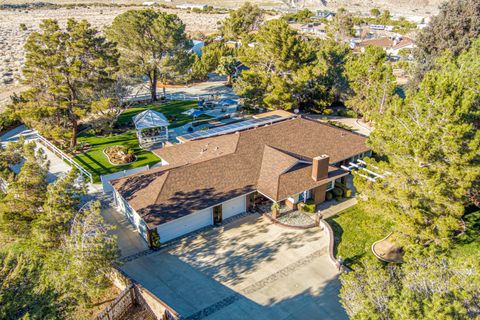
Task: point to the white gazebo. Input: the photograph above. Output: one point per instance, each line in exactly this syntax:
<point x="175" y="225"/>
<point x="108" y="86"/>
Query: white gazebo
<point x="151" y="126"/>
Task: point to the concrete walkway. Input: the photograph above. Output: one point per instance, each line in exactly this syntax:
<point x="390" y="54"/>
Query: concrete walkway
<point x="357" y="125"/>
<point x="57" y="166"/>
<point x="128" y="239"/>
<point x="331" y="208"/>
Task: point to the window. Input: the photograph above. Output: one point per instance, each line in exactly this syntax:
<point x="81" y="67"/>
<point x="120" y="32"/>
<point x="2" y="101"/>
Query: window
<point x="330" y="185"/>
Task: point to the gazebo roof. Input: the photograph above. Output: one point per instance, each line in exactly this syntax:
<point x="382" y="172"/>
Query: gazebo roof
<point x="150" y="119"/>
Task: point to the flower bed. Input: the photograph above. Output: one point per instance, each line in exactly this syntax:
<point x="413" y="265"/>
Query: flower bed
<point x="119" y="155"/>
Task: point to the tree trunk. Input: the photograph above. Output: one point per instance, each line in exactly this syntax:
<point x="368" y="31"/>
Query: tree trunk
<point x="153" y="85"/>
<point x="229" y="80"/>
<point x="73" y="140"/>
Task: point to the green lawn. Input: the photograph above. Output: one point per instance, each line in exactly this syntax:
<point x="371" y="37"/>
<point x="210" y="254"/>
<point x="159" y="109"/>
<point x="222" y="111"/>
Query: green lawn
<point x="95" y="160"/>
<point x="355" y="231"/>
<point x="171" y="109"/>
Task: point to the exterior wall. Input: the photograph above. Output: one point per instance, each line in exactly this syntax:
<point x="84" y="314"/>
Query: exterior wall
<point x="291" y="204"/>
<point x="318" y="194"/>
<point x="132" y="216"/>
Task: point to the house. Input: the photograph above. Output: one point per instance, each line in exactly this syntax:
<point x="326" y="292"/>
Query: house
<point x="190" y="6"/>
<point x="324" y="14"/>
<point x="316" y="29"/>
<point x="204" y="181"/>
<point x="391" y="45"/>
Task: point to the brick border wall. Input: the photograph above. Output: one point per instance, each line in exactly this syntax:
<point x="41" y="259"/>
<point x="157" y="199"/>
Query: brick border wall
<point x="331" y="246"/>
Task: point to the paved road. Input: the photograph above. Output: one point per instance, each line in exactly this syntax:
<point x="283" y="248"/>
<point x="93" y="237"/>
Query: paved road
<point x="249" y="269"/>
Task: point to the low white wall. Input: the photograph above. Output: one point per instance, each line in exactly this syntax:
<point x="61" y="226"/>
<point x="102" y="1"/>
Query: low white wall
<point x="107" y="187"/>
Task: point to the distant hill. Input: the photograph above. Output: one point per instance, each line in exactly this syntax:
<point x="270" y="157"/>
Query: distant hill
<point x="396" y="7"/>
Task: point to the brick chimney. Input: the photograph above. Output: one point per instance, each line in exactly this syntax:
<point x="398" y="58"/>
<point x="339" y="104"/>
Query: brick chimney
<point x="320" y="167"/>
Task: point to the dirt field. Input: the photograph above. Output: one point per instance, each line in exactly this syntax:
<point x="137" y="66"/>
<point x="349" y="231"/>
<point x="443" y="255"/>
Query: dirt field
<point x="12" y="37"/>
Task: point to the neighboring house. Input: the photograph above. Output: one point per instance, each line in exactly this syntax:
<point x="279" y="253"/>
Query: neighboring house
<point x="205" y="181"/>
<point x="324" y="14"/>
<point x="190" y="6"/>
<point x="391" y="45"/>
<point x="316" y="29"/>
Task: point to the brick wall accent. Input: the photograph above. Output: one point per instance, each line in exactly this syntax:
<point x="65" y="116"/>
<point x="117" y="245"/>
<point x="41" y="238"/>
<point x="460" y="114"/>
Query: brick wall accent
<point x="318" y="194"/>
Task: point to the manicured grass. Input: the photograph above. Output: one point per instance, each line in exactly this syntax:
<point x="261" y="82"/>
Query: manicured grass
<point x="96" y="161"/>
<point x="468" y="243"/>
<point x="171" y="109"/>
<point x="355" y="230"/>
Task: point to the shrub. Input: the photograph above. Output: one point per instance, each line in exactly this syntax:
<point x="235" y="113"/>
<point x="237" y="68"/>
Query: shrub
<point x="328" y="112"/>
<point x="308" y="206"/>
<point x="23" y="27"/>
<point x="7" y="121"/>
<point x="339" y="198"/>
<point x="347" y="113"/>
<point x="155" y="238"/>
<point x="337" y="192"/>
<point x="348" y="193"/>
<point x="328" y="196"/>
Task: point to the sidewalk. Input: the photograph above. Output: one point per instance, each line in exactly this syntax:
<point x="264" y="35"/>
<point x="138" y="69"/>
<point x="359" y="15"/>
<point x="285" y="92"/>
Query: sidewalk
<point x="331" y="208"/>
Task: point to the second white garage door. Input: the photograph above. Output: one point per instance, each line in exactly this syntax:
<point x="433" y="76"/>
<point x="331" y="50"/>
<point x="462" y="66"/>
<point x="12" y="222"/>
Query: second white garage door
<point x="184" y="225"/>
<point x="233" y="207"/>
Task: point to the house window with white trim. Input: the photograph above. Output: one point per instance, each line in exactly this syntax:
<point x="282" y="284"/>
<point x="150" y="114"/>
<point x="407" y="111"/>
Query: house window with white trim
<point x="330" y="185"/>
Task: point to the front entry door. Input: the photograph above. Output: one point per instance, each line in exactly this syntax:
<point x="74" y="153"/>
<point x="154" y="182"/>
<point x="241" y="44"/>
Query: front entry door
<point x="217" y="214"/>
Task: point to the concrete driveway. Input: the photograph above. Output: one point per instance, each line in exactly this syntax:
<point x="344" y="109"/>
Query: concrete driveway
<point x="249" y="269"/>
<point x="129" y="240"/>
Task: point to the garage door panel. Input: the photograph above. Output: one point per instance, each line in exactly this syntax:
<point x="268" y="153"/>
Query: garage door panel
<point x="233" y="207"/>
<point x="184" y="225"/>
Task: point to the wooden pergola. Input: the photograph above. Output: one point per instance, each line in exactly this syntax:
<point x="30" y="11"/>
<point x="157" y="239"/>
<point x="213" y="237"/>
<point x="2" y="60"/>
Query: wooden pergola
<point x="151" y="127"/>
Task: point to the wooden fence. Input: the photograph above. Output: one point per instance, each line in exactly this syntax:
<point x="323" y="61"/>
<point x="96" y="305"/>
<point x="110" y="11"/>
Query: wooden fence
<point x="133" y="294"/>
<point x="120" y="306"/>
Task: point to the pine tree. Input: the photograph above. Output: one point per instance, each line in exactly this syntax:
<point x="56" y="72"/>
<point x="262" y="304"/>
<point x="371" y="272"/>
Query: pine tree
<point x="151" y="43"/>
<point x="371" y="81"/>
<point x="67" y="71"/>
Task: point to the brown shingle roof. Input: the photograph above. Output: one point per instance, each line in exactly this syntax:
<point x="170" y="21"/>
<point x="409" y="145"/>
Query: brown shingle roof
<point x="233" y="165"/>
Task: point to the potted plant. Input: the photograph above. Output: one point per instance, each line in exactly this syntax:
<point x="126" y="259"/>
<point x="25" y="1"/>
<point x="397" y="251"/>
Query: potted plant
<point x="275" y="210"/>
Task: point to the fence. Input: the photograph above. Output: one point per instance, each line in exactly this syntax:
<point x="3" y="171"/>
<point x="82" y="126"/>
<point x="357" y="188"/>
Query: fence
<point x="120" y="306"/>
<point x="134" y="294"/>
<point x="107" y="187"/>
<point x="63" y="156"/>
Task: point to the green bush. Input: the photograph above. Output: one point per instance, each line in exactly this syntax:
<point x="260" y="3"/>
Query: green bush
<point x="338" y="198"/>
<point x="308" y="206"/>
<point x="337" y="192"/>
<point x="328" y="196"/>
<point x="155" y="239"/>
<point x="347" y="113"/>
<point x="348" y="193"/>
<point x="328" y="112"/>
<point x="7" y="121"/>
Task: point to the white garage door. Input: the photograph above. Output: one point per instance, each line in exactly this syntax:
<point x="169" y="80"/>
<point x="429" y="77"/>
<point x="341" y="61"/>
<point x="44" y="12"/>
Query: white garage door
<point x="184" y="225"/>
<point x="233" y="207"/>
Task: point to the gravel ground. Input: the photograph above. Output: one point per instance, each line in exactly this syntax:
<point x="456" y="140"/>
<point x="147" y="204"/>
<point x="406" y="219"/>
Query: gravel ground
<point x="296" y="218"/>
<point x="12" y="37"/>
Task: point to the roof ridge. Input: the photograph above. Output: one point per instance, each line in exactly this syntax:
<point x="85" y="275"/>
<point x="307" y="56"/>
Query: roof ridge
<point x="167" y="173"/>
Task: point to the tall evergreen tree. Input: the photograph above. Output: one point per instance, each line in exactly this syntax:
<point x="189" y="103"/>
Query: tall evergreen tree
<point x="67" y="70"/>
<point x="371" y="81"/>
<point x="430" y="142"/>
<point x="455" y="28"/>
<point x="151" y="43"/>
<point x="240" y="22"/>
